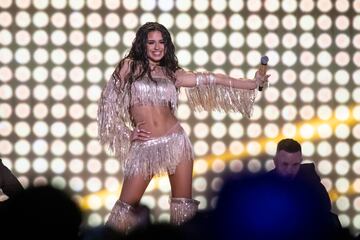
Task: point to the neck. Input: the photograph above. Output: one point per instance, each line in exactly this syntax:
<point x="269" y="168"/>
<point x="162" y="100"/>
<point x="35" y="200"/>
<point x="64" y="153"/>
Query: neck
<point x="153" y="66"/>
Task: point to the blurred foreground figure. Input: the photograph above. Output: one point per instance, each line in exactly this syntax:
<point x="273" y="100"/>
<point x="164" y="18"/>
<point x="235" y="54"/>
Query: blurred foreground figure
<point x="288" y="202"/>
<point x="9" y="184"/>
<point x="40" y="213"/>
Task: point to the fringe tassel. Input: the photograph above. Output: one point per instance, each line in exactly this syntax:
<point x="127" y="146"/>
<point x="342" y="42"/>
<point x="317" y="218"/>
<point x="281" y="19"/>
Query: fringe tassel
<point x="114" y="127"/>
<point x="122" y="217"/>
<point x="158" y="156"/>
<point x="221" y="98"/>
<point x="159" y="93"/>
<point x="182" y="210"/>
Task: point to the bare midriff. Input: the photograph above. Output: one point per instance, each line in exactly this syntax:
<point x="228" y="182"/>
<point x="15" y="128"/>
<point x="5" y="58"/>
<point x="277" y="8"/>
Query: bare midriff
<point x="158" y="120"/>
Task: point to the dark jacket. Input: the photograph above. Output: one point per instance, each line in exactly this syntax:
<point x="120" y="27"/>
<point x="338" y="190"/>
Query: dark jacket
<point x="8" y="182"/>
<point x="308" y="176"/>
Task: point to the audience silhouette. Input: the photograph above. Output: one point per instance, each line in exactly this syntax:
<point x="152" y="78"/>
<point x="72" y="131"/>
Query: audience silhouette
<point x="41" y="213"/>
<point x="288" y="202"/>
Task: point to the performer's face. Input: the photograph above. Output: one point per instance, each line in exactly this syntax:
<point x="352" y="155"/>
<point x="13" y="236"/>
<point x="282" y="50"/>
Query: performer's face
<point x="155" y="47"/>
<point x="287" y="164"/>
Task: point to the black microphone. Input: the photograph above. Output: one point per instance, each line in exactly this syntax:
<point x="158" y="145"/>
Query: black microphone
<point x="263" y="68"/>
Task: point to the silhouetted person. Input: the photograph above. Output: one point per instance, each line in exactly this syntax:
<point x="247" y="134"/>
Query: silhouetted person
<point x="9" y="184"/>
<point x="157" y="231"/>
<point x="288" y="165"/>
<point x="101" y="233"/>
<point x="106" y="232"/>
<point x="41" y="213"/>
<point x="287" y="203"/>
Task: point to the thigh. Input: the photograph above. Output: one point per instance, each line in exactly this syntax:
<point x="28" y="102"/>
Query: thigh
<point x="133" y="188"/>
<point x="181" y="180"/>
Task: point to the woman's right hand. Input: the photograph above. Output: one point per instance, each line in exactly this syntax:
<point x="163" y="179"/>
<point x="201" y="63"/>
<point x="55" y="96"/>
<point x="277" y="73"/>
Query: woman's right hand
<point x="140" y="133"/>
<point x="260" y="80"/>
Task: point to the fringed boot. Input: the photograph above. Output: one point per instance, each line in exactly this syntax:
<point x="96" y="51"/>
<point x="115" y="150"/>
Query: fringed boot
<point x="182" y="210"/>
<point x="122" y="217"/>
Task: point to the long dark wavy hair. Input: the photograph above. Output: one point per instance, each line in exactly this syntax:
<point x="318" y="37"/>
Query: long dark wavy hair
<point x="139" y="62"/>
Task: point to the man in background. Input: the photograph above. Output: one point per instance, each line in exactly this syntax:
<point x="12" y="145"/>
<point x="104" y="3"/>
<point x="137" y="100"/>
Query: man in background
<point x="288" y="165"/>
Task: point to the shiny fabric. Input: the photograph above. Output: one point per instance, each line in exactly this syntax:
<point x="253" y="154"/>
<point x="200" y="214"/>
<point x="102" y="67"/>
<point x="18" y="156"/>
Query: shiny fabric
<point x="114" y="124"/>
<point x="114" y="121"/>
<point x="162" y="92"/>
<point x="182" y="210"/>
<point x="205" y="78"/>
<point x="207" y="96"/>
<point x="160" y="155"/>
<point x="122" y="217"/>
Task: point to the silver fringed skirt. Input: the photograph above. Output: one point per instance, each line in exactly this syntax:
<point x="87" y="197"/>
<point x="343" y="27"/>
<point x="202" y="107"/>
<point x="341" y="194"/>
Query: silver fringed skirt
<point x="160" y="155"/>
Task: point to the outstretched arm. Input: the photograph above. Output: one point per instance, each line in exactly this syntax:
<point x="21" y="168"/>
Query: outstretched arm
<point x="193" y="79"/>
<point x="209" y="91"/>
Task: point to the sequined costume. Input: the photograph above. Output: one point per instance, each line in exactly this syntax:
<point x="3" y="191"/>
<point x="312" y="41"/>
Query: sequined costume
<point x="207" y="96"/>
<point x="159" y="155"/>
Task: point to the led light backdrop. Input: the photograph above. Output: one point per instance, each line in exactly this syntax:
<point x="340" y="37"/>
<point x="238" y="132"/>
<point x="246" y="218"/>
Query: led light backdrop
<point x="56" y="55"/>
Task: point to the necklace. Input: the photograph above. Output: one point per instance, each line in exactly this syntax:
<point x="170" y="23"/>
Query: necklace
<point x="154" y="68"/>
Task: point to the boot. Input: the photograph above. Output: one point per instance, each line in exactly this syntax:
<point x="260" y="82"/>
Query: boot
<point x="122" y="217"/>
<point x="182" y="210"/>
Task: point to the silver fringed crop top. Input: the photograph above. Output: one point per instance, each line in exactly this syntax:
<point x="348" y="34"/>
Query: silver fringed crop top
<point x="115" y="124"/>
<point x="162" y="92"/>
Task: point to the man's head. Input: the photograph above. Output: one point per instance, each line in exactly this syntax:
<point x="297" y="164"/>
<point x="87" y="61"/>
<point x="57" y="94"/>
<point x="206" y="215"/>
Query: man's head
<point x="288" y="158"/>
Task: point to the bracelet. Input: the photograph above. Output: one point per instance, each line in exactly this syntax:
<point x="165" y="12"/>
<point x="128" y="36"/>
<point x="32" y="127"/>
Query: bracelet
<point x="199" y="79"/>
<point x="205" y="79"/>
<point x="211" y="78"/>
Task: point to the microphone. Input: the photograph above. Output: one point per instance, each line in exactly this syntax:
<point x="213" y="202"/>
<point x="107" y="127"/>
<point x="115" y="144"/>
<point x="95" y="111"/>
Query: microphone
<point x="263" y="68"/>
